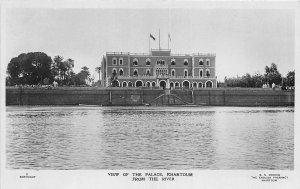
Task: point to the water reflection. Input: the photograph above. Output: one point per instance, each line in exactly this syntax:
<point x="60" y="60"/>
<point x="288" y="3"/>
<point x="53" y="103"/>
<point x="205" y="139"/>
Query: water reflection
<point x="150" y="138"/>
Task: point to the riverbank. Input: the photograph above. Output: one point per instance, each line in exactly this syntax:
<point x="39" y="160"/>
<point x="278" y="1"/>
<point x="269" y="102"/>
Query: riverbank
<point x="146" y="96"/>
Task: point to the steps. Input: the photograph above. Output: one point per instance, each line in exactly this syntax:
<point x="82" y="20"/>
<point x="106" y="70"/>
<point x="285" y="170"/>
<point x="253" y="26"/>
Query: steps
<point x="167" y="99"/>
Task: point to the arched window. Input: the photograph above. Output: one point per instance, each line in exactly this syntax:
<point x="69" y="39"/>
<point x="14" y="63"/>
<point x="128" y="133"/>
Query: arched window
<point x="153" y="84"/>
<point x="135" y="72"/>
<point x="148" y="84"/>
<point x="200" y="73"/>
<point x="171" y="84"/>
<point x="120" y="61"/>
<point x="207" y="72"/>
<point x="201" y="62"/>
<point x="207" y="62"/>
<point x="185" y="72"/>
<point x="114" y="71"/>
<point x="148" y="72"/>
<point x="208" y="84"/>
<point x="173" y="63"/>
<point x="173" y="72"/>
<point x="138" y="83"/>
<point x="194" y="85"/>
<point x="121" y="72"/>
<point x="124" y="84"/>
<point x="148" y="62"/>
<point x="186" y="84"/>
<point x="160" y="62"/>
<point x="185" y="62"/>
<point x="129" y="84"/>
<point x="200" y="85"/>
<point x="135" y="62"/>
<point x="114" y="61"/>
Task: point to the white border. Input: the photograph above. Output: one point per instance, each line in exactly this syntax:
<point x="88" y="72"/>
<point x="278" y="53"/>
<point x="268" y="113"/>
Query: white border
<point x="99" y="178"/>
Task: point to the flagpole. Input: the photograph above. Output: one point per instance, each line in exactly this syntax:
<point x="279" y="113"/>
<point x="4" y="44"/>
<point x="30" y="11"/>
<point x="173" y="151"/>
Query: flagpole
<point x="168" y="41"/>
<point x="159" y="39"/>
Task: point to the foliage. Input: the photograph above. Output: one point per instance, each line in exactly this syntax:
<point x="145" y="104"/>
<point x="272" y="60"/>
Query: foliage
<point x="38" y="68"/>
<point x="257" y="80"/>
<point x="82" y="77"/>
<point x="98" y="70"/>
<point x="290" y="78"/>
<point x="63" y="69"/>
<point x="272" y="75"/>
<point x="30" y="68"/>
<point x="114" y="80"/>
<point x="247" y="80"/>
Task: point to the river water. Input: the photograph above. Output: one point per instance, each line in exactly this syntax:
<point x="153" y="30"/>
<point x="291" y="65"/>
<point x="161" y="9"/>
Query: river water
<point x="70" y="137"/>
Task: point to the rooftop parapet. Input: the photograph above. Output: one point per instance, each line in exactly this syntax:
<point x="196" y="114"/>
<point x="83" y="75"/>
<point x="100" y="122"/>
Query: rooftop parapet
<point x="163" y="54"/>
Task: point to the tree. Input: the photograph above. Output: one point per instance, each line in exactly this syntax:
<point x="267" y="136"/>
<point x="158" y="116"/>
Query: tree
<point x="14" y="70"/>
<point x="290" y="77"/>
<point x="57" y="67"/>
<point x="114" y="80"/>
<point x="272" y="75"/>
<point x="68" y="74"/>
<point x="63" y="69"/>
<point x="30" y="68"/>
<point x="98" y="70"/>
<point x="258" y="79"/>
<point x="82" y="77"/>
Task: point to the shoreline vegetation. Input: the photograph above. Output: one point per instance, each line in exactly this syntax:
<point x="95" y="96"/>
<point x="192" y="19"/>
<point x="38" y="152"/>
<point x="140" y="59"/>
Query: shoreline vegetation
<point x="37" y="69"/>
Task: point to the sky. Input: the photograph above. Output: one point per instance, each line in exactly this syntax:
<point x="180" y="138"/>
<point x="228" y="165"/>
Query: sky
<point x="244" y="40"/>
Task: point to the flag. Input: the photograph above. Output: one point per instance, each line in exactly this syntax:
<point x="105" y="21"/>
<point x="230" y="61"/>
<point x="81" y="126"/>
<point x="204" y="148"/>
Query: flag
<point x="152" y="36"/>
<point x="169" y="37"/>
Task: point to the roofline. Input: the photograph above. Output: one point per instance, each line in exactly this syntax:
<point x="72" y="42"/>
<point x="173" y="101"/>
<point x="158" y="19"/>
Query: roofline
<point x="149" y="55"/>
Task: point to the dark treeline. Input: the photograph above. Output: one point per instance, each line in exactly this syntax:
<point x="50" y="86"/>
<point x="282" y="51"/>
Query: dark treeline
<point x="37" y="68"/>
<point x="257" y="80"/>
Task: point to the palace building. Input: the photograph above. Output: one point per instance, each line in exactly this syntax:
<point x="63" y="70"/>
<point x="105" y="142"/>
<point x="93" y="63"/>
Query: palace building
<point x="159" y="68"/>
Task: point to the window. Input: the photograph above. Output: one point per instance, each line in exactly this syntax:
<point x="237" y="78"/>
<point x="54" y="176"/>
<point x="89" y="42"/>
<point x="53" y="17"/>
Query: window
<point x="135" y="73"/>
<point x="173" y="63"/>
<point x="114" y="71"/>
<point x="208" y="84"/>
<point x="207" y="62"/>
<point x="207" y="72"/>
<point x="148" y="72"/>
<point x="114" y="61"/>
<point x="148" y="62"/>
<point x="201" y="62"/>
<point x="201" y="73"/>
<point x="173" y="72"/>
<point x="135" y="62"/>
<point x="121" y="61"/>
<point x="160" y="62"/>
<point x="121" y="72"/>
<point x="185" y="73"/>
<point x="185" y="62"/>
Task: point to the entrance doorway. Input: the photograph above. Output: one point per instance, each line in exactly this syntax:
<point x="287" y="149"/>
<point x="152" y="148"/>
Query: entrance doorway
<point x="162" y="84"/>
<point x="138" y="84"/>
<point x="186" y="84"/>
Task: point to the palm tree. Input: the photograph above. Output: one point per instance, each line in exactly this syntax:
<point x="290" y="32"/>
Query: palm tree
<point x="98" y="70"/>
